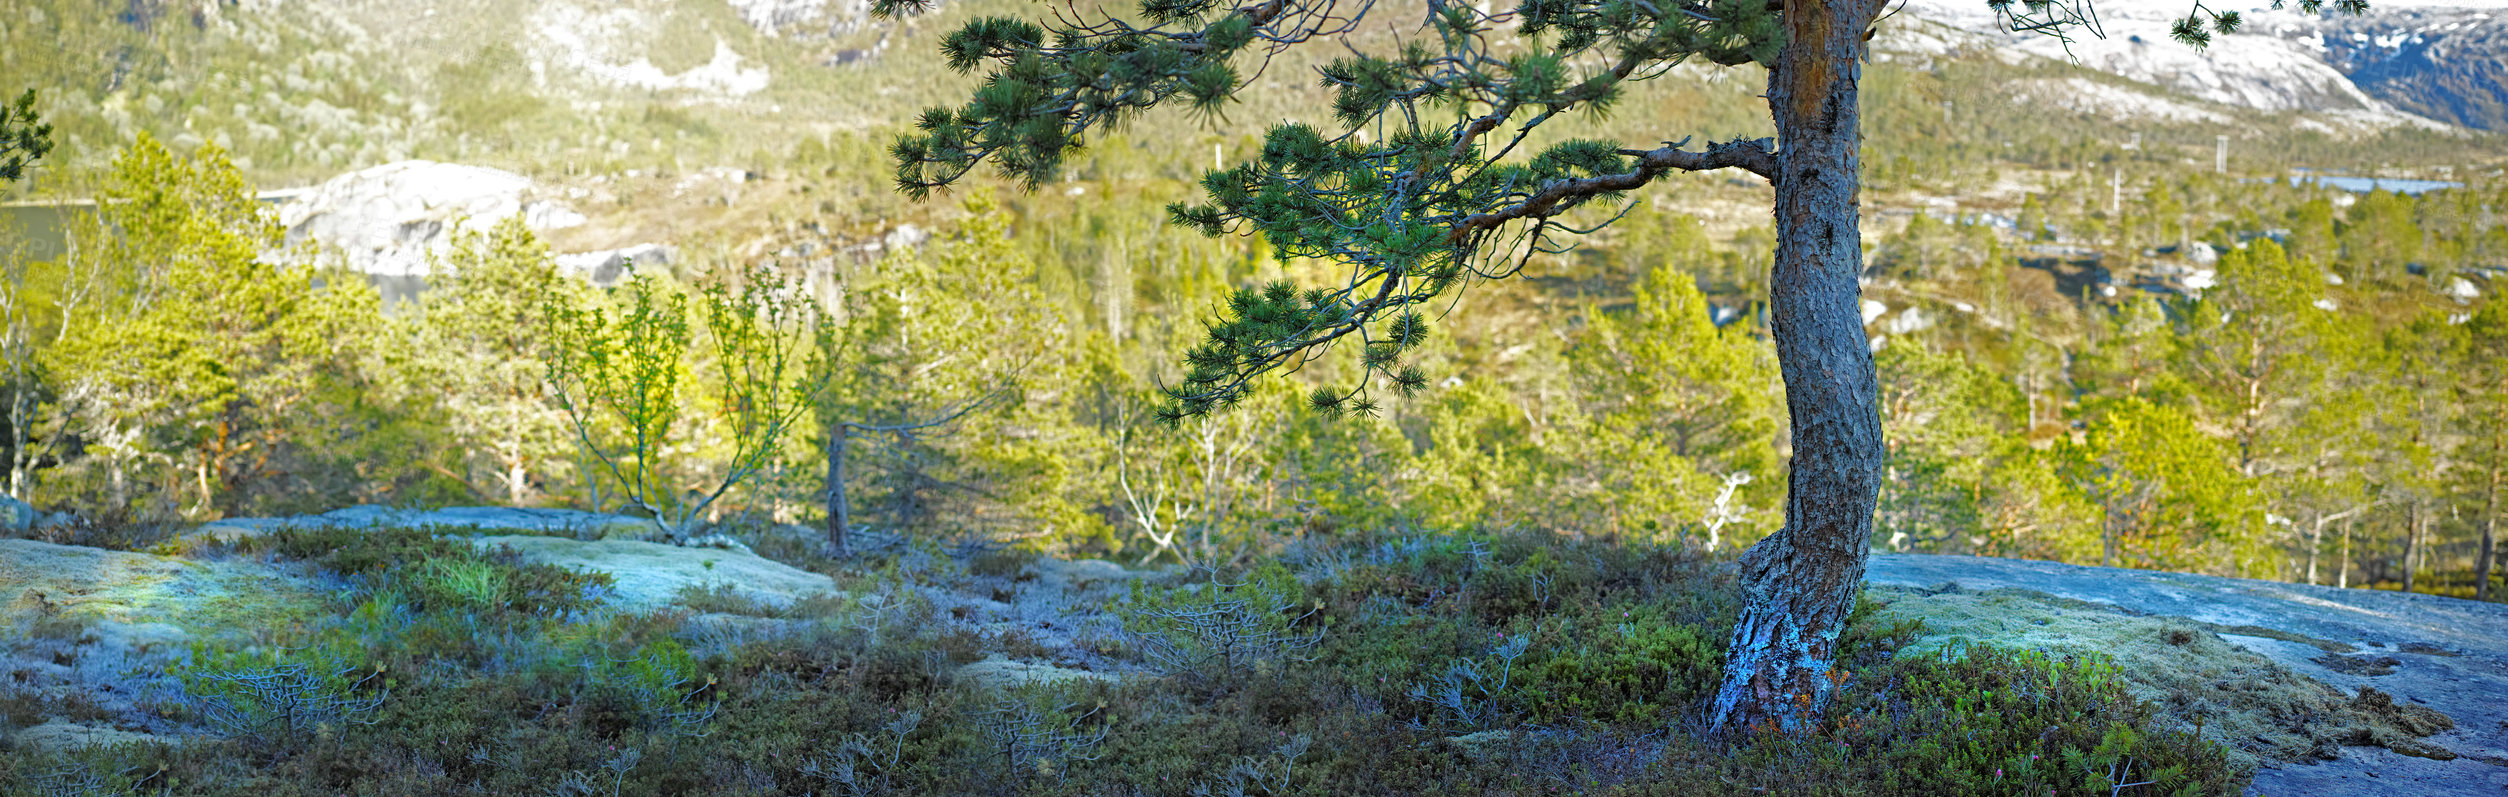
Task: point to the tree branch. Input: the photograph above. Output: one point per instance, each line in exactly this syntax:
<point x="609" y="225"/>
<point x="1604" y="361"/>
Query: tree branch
<point x="1756" y="156"/>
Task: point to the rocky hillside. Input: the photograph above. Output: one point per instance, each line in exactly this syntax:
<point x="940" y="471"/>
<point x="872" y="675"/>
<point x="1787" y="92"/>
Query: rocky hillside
<point x="2406" y="62"/>
<point x="2445" y="64"/>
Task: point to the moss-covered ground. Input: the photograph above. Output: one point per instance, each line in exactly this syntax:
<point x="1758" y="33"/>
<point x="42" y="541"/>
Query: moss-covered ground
<point x="1371" y="665"/>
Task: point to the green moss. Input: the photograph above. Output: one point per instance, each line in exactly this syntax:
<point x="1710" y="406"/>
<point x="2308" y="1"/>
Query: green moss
<point x="2191" y="677"/>
<point x="433" y="570"/>
<point x="1632" y="667"/>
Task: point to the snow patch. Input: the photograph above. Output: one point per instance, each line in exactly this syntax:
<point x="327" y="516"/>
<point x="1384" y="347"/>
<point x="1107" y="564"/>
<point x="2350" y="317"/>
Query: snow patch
<point x="2117" y="103"/>
<point x="586" y="41"/>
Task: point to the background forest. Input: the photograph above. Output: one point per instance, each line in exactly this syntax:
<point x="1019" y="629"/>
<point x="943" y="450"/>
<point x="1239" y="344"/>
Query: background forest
<point x="2094" y="346"/>
<point x="2233" y="313"/>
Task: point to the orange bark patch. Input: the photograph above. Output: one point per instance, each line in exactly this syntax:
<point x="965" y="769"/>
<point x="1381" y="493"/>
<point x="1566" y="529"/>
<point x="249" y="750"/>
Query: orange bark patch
<point x="1811" y="70"/>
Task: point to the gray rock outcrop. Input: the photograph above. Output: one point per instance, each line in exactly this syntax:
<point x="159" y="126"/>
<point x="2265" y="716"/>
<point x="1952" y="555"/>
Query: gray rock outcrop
<point x="651" y="575"/>
<point x="64" y="736"/>
<point x="573" y="523"/>
<point x="387" y="220"/>
<point x="997" y="672"/>
<point x="2446" y="653"/>
<point x="807" y="18"/>
<point x="15" y="515"/>
<point x="606" y="266"/>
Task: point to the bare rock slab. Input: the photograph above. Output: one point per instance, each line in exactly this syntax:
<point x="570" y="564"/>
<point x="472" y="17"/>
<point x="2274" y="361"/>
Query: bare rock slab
<point x="566" y="522"/>
<point x="2448" y="656"/>
<point x="651" y="575"/>
<point x="997" y="672"/>
<point x="63" y="736"/>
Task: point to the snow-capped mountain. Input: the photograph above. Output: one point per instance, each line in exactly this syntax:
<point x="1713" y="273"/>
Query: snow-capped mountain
<point x="2404" y="62"/>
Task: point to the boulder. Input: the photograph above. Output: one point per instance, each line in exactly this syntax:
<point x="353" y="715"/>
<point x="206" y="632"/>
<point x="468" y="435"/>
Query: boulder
<point x="1080" y="576"/>
<point x="65" y="736"/>
<point x="1486" y="745"/>
<point x="569" y="522"/>
<point x="387" y="220"/>
<point x="15" y="515"/>
<point x="720" y="542"/>
<point x="997" y="672"/>
<point x="651" y="575"/>
<point x="808" y="19"/>
<point x="606" y="266"/>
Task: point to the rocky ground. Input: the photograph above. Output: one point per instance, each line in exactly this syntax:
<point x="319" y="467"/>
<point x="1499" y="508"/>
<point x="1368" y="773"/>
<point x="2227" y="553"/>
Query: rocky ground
<point x="2279" y="672"/>
<point x="2425" y="650"/>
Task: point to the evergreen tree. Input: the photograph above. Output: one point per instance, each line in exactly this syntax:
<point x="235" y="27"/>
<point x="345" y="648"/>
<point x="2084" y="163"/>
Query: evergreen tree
<point x="480" y="333"/>
<point x="2252" y="346"/>
<point x="1681" y="409"/>
<point x="1945" y="420"/>
<point x="2312" y="233"/>
<point x="24" y="137"/>
<point x="2167" y="496"/>
<point x="187" y="349"/>
<point x="2418" y="361"/>
<point x="1435" y="195"/>
<point x="912" y="363"/>
<point x="2484" y="388"/>
<point x="2379" y="237"/>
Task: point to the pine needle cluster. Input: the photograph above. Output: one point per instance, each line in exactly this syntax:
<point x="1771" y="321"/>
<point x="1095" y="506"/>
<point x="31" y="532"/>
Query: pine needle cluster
<point x="1411" y="194"/>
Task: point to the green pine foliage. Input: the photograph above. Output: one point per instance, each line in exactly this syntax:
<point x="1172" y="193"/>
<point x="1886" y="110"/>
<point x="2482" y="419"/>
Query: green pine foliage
<point x="479" y="339"/>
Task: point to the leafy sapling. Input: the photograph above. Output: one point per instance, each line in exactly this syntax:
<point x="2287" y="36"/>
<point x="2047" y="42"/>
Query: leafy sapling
<point x="618" y="371"/>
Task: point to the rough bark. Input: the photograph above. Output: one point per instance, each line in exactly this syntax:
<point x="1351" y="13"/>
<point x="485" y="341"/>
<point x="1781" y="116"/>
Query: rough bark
<point x="1799" y="583"/>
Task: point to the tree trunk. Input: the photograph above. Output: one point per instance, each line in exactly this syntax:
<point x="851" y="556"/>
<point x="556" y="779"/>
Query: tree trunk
<point x="2490" y="531"/>
<point x="839" y="523"/>
<point x="1799" y="583"/>
<point x="517" y="481"/>
<point x="2108" y="535"/>
<point x="2342" y="568"/>
<point x="2316" y="542"/>
<point x="2412" y="543"/>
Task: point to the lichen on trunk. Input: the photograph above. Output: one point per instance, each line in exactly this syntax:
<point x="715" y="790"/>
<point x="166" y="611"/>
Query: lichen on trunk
<point x="1799" y="583"/>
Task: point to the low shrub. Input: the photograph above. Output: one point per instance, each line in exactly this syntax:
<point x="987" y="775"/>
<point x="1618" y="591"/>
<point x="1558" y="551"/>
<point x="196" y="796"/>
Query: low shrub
<point x="1552" y="667"/>
<point x="1632" y="667"/>
<point x="1217" y="631"/>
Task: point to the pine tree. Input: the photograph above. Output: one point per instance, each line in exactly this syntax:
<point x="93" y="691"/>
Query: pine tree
<point x="2484" y="387"/>
<point x="24" y="137"/>
<point x="1436" y="194"/>
<point x="1682" y="408"/>
<point x="480" y="336"/>
<point x="910" y="365"/>
<point x="184" y="346"/>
